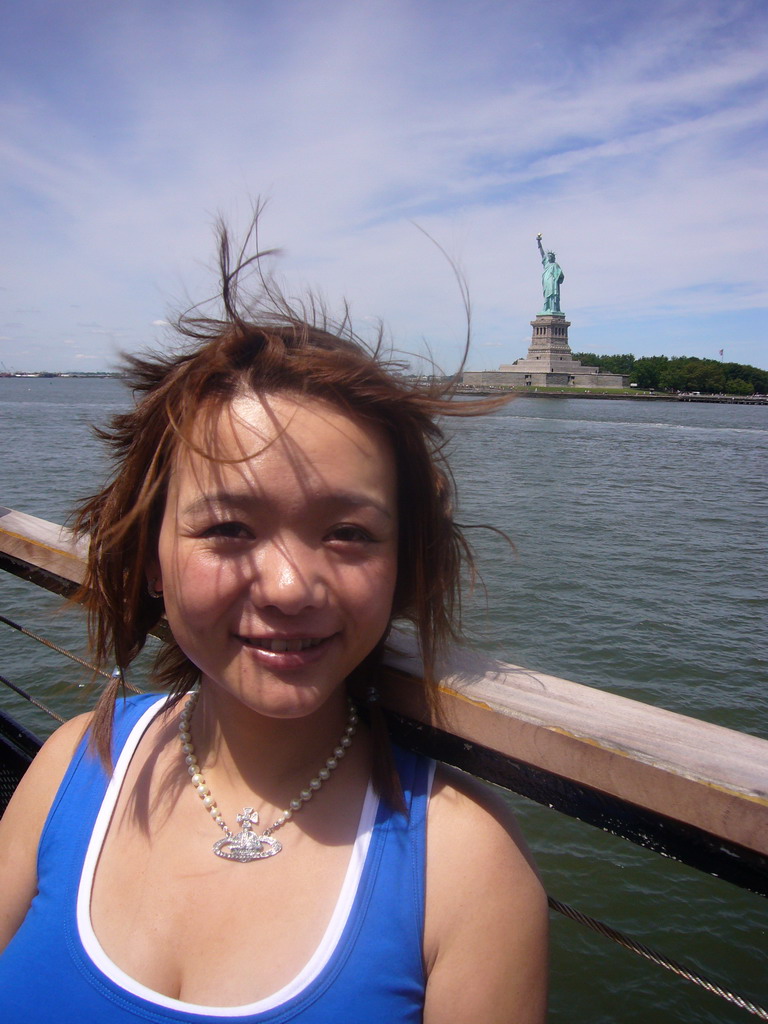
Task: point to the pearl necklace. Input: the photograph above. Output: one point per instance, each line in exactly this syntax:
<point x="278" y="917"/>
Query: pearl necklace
<point x="248" y="845"/>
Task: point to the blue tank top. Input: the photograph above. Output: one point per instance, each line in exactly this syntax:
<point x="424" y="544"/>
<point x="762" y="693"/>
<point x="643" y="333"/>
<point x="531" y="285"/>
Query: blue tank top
<point x="369" y="968"/>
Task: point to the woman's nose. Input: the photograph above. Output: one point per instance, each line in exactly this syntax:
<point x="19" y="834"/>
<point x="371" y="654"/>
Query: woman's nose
<point x="287" y="577"/>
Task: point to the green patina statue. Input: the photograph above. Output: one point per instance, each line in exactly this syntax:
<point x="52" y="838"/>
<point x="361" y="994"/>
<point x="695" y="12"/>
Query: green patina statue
<point x="551" y="279"/>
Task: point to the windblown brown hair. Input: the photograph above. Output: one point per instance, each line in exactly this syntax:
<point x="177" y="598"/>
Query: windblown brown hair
<point x="268" y="348"/>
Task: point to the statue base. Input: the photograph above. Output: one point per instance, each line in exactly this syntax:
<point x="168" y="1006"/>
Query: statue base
<point x="549" y="351"/>
<point x="549" y="362"/>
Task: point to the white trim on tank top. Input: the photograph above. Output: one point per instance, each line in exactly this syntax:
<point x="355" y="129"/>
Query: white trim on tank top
<point x="308" y="973"/>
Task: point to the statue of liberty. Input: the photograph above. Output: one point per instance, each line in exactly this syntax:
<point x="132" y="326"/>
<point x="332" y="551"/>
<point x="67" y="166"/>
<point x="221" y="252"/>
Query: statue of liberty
<point x="551" y="279"/>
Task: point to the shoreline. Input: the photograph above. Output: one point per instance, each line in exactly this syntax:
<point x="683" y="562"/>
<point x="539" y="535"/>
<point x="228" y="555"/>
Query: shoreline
<point x="629" y="397"/>
<point x="472" y="389"/>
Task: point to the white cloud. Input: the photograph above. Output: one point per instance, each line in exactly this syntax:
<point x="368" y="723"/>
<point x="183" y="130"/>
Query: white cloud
<point x="639" y="152"/>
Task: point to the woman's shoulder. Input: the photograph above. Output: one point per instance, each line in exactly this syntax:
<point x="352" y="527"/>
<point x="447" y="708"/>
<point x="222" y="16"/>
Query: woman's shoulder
<point x="58" y="750"/>
<point x="42" y="779"/>
<point x="486" y="911"/>
<point x="24" y="818"/>
<point x="465" y="810"/>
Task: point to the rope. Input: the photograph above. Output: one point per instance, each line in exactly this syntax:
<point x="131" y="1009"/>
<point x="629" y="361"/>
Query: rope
<point x="53" y="646"/>
<point x="59" y="650"/>
<point x="31" y="699"/>
<point x="657" y="958"/>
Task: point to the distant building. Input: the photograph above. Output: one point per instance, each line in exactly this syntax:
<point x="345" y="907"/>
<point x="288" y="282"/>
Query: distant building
<point x="549" y="363"/>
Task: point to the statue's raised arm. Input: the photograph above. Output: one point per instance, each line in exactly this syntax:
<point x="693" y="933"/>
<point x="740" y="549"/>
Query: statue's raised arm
<point x="551" y="279"/>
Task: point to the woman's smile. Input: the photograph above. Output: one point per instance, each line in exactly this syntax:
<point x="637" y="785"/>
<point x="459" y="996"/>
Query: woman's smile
<point x="286" y="654"/>
<point x="279" y="645"/>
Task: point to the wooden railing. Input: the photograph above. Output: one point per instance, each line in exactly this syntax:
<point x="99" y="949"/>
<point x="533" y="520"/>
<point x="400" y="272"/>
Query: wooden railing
<point x="689" y="789"/>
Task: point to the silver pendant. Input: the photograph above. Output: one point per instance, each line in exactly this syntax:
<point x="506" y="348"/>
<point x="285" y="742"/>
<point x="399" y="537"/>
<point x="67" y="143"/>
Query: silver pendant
<point x="247" y="845"/>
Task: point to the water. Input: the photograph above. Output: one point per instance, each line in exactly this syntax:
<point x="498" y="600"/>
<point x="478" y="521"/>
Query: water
<point x="639" y="533"/>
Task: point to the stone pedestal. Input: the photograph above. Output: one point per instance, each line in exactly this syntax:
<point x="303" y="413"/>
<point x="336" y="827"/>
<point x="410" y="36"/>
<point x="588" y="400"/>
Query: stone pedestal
<point x="549" y="362"/>
<point x="549" y="349"/>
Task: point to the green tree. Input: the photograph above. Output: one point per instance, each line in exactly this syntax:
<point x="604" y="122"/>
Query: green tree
<point x="737" y="386"/>
<point x="620" y="364"/>
<point x="687" y="373"/>
<point x="611" y="364"/>
<point x="682" y="373"/>
<point x="757" y="379"/>
<point x="646" y="372"/>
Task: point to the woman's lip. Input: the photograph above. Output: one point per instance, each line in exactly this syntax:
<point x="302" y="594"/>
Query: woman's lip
<point x="283" y="644"/>
<point x="286" y="659"/>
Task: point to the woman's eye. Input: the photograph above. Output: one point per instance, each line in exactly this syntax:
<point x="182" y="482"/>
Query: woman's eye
<point x="228" y="530"/>
<point x="351" y="534"/>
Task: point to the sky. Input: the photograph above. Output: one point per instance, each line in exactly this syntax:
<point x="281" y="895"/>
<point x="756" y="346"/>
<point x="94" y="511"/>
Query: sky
<point x="394" y="142"/>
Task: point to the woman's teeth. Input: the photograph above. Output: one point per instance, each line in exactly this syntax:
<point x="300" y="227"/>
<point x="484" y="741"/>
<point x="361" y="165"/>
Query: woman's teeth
<point x="280" y="646"/>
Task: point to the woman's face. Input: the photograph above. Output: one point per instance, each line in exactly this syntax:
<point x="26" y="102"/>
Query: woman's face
<point x="277" y="557"/>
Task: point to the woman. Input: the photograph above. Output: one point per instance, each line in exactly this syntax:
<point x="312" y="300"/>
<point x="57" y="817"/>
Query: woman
<point x="279" y="495"/>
